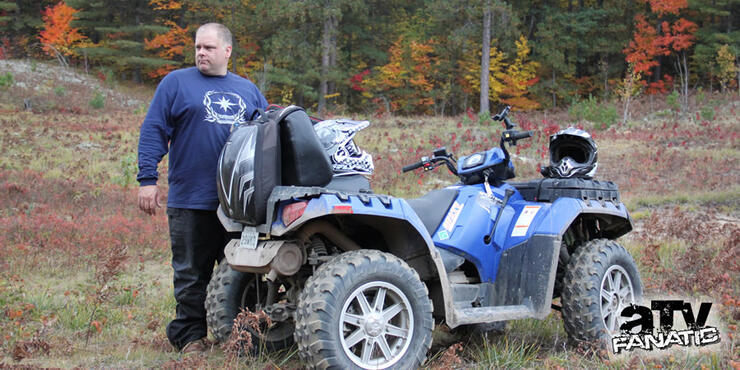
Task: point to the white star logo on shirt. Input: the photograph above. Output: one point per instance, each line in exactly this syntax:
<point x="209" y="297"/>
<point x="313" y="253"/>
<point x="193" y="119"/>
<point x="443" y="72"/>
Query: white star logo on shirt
<point x="224" y="103"/>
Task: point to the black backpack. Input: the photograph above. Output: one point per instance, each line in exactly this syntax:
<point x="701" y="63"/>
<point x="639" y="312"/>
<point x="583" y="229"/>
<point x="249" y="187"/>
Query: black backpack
<point x="285" y="151"/>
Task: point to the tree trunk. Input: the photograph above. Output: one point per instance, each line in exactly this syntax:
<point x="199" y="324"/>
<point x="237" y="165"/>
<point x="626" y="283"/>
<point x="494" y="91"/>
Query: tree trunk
<point x="333" y="54"/>
<point x="485" y="59"/>
<point x="234" y="44"/>
<point x="554" y="96"/>
<point x="328" y="44"/>
<point x="683" y="74"/>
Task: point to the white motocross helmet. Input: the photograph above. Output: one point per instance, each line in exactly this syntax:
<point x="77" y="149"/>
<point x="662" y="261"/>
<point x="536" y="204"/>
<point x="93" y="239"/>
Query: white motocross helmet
<point x="346" y="157"/>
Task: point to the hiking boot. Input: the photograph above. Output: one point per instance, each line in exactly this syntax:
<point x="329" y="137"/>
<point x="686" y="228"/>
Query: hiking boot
<point x="197" y="346"/>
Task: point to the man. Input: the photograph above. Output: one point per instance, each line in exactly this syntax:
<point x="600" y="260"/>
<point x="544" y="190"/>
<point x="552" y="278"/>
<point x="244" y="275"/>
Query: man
<point x="191" y="115"/>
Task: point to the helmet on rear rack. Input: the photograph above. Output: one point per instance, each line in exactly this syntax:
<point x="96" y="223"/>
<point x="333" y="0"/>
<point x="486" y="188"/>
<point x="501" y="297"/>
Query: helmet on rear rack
<point x="346" y="157"/>
<point x="572" y="154"/>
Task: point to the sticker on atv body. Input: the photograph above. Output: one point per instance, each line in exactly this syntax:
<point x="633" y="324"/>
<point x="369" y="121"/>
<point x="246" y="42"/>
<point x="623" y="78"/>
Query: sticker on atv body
<point x="525" y="219"/>
<point x="451" y="219"/>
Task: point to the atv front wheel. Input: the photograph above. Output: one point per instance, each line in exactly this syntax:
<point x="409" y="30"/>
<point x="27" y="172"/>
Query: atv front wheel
<point x="364" y="309"/>
<point x="230" y="291"/>
<point x="600" y="281"/>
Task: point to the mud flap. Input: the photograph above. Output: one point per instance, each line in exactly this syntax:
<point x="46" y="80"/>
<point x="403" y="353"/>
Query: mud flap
<point x="526" y="275"/>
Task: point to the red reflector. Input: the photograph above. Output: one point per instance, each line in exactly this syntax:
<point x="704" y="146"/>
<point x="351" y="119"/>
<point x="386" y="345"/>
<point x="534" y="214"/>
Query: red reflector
<point x="293" y="211"/>
<point x="342" y="209"/>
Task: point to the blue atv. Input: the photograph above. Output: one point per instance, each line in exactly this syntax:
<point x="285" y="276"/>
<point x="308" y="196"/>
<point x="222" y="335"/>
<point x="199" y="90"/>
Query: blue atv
<point x="358" y="279"/>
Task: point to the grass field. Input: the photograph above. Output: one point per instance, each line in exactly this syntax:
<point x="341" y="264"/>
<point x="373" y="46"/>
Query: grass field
<point x="86" y="280"/>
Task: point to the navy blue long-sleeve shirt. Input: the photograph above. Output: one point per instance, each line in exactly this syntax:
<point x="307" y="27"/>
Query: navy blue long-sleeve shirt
<point x="191" y="116"/>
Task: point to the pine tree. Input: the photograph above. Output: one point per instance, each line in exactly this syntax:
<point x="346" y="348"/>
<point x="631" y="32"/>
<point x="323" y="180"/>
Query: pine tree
<point x="118" y="32"/>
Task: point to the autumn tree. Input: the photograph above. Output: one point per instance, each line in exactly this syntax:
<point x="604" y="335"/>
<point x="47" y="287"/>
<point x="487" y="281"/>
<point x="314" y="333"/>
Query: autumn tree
<point x="726" y="68"/>
<point x="677" y="39"/>
<point x="673" y="36"/>
<point x="169" y="46"/>
<point x="630" y="87"/>
<point x="174" y="47"/>
<point x="402" y="84"/>
<point x="58" y="38"/>
<point x="519" y="77"/>
<point x="471" y="72"/>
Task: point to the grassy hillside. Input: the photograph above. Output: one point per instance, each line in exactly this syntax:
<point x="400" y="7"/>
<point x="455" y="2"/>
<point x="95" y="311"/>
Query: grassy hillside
<point x="86" y="276"/>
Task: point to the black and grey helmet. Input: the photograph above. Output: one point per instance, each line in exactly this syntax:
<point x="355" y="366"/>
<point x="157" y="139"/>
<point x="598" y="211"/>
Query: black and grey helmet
<point x="346" y="157"/>
<point x="572" y="154"/>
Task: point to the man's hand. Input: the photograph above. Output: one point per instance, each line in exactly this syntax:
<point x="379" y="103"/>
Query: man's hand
<point x="150" y="199"/>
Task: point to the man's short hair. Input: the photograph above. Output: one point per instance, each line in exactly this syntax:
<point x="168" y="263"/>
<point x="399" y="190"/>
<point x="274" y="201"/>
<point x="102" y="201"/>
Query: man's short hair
<point x="222" y="31"/>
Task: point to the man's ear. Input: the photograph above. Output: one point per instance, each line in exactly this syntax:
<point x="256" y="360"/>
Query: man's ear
<point x="228" y="51"/>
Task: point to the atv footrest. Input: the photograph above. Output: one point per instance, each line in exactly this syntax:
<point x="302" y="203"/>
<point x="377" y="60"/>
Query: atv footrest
<point x="477" y="315"/>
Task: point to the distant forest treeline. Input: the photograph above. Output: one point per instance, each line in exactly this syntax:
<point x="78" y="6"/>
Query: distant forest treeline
<point x="402" y="56"/>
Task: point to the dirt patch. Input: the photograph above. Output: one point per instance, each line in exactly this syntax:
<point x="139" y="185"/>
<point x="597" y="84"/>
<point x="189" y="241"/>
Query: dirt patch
<point x="43" y="87"/>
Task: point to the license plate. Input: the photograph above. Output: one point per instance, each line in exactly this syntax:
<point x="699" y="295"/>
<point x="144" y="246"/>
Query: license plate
<point x="249" y="238"/>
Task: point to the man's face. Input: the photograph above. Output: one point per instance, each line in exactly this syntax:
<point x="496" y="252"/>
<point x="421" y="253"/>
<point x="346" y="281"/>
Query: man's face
<point x="211" y="53"/>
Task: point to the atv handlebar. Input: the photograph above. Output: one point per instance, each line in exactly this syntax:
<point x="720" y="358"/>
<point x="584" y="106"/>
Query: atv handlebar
<point x="412" y="167"/>
<point x="440" y="156"/>
<point x="513" y="136"/>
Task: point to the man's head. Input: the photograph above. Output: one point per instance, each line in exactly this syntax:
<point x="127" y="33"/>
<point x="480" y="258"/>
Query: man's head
<point x="212" y="49"/>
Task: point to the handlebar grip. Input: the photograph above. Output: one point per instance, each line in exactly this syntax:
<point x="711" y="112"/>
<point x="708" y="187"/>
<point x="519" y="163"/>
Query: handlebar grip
<point x="412" y="167"/>
<point x="522" y="135"/>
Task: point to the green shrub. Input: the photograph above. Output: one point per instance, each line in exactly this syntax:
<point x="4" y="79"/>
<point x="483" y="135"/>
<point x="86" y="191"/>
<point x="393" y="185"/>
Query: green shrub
<point x="485" y="119"/>
<point x="672" y="101"/>
<point x="60" y="90"/>
<point x="128" y="168"/>
<point x="707" y="113"/>
<point x="98" y="101"/>
<point x="6" y="80"/>
<point x="592" y="110"/>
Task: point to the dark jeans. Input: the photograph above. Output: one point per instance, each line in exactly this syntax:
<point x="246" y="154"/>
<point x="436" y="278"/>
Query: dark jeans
<point x="198" y="241"/>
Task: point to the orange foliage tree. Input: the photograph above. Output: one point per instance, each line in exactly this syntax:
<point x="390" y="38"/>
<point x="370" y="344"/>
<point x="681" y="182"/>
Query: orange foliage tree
<point x="674" y="38"/>
<point x="169" y="46"/>
<point x="402" y="83"/>
<point x="58" y="38"/>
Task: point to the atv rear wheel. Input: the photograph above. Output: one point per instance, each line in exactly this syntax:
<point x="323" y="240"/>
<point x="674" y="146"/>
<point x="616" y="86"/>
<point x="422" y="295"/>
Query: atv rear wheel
<point x="364" y="309"/>
<point x="230" y="291"/>
<point x="600" y="281"/>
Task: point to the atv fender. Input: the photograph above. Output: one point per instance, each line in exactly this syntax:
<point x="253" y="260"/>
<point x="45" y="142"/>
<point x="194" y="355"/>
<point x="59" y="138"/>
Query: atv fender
<point x="613" y="218"/>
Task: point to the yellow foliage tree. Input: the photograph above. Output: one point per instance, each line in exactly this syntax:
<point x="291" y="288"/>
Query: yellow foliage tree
<point x="630" y="87"/>
<point x="726" y="68"/>
<point x="520" y="75"/>
<point x="470" y="67"/>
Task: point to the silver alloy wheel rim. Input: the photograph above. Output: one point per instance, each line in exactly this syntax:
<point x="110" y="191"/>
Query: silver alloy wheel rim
<point x="376" y="335"/>
<point x="616" y="294"/>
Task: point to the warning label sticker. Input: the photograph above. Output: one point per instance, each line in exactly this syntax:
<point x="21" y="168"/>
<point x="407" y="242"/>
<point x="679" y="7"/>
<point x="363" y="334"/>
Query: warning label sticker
<point x="524" y="220"/>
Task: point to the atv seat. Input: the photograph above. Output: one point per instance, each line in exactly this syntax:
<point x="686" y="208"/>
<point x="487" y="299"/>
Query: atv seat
<point x="432" y="207"/>
<point x="350" y="184"/>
